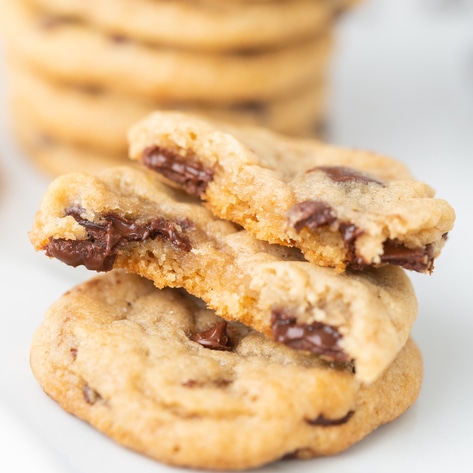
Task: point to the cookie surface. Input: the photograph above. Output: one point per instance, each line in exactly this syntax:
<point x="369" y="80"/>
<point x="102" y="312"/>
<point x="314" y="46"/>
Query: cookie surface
<point x="119" y="353"/>
<point x="211" y="25"/>
<point x="164" y="74"/>
<point x="100" y="120"/>
<point x="125" y="218"/>
<point x="341" y="207"/>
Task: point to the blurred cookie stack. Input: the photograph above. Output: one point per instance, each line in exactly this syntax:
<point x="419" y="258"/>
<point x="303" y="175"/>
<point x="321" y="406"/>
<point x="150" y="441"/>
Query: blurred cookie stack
<point x="81" y="71"/>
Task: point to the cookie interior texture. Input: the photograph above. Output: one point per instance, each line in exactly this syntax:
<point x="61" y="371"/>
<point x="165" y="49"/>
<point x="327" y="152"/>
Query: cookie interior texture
<point x="146" y="367"/>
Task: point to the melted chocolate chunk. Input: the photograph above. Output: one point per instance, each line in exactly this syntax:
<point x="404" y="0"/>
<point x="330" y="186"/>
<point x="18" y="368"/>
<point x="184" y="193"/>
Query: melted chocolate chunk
<point x="415" y="259"/>
<point x="105" y="239"/>
<point x="343" y="174"/>
<point x="75" y="253"/>
<point x="317" y="337"/>
<point x="215" y="338"/>
<point x="192" y="177"/>
<point x="310" y="214"/>
<point x="323" y="421"/>
<point x="349" y="234"/>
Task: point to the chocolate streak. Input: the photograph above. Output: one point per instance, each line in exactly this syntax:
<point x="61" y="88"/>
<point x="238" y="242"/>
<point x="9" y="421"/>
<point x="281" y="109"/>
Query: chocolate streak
<point x="192" y="177"/>
<point x="105" y="239"/>
<point x="343" y="174"/>
<point x="316" y="337"/>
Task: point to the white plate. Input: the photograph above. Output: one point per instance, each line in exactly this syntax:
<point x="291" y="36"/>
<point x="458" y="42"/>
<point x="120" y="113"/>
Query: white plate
<point x="403" y="86"/>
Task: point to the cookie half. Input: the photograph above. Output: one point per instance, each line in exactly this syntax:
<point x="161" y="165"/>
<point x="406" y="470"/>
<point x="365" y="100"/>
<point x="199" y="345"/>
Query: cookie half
<point x="125" y="218"/>
<point x="342" y="207"/>
<point x="160" y="374"/>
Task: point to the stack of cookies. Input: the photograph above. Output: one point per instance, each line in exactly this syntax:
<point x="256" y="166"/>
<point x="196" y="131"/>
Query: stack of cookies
<point x="256" y="303"/>
<point x="81" y="72"/>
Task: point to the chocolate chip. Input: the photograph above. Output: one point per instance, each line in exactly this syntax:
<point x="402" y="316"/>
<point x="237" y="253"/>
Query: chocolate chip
<point x="318" y="338"/>
<point x="343" y="174"/>
<point x="50" y="22"/>
<point x="253" y="107"/>
<point x="310" y="214"/>
<point x="119" y="39"/>
<point x="191" y="383"/>
<point x="415" y="259"/>
<point x="77" y="252"/>
<point x="73" y="353"/>
<point x="215" y="338"/>
<point x="219" y="383"/>
<point x="323" y="421"/>
<point x="192" y="177"/>
<point x="105" y="239"/>
<point x="350" y="233"/>
<point x="90" y="396"/>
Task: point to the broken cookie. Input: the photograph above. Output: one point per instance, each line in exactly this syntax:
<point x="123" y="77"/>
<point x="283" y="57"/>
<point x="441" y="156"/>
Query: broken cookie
<point x="126" y="218"/>
<point x="341" y="207"/>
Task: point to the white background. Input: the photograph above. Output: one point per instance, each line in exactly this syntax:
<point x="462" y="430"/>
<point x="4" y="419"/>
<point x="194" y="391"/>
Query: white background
<point x="402" y="86"/>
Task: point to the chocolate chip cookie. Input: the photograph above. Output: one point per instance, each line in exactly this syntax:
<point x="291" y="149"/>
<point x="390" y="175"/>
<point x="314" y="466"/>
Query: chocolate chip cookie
<point x="54" y="156"/>
<point x="99" y="119"/>
<point x="125" y="218"/>
<point x="160" y="374"/>
<point x="211" y="25"/>
<point x="79" y="54"/>
<point x="341" y="207"/>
